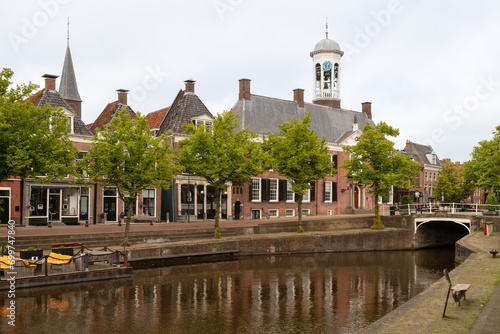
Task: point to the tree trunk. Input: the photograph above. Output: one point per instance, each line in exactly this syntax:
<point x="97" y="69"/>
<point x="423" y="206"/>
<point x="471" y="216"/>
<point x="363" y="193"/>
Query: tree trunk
<point x="130" y="205"/>
<point x="299" y="203"/>
<point x="217" y="214"/>
<point x="377" y="225"/>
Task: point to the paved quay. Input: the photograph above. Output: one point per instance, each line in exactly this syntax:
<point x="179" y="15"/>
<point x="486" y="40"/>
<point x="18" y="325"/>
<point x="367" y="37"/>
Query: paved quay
<point x="479" y="314"/>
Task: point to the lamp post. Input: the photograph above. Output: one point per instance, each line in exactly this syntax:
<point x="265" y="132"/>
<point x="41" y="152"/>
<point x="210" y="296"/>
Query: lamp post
<point x="498" y="173"/>
<point x="188" y="197"/>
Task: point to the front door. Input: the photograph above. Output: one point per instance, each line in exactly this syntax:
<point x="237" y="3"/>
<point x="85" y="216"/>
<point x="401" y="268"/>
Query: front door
<point x="110" y="208"/>
<point x="356" y="197"/>
<point x="237" y="209"/>
<point x="54" y="207"/>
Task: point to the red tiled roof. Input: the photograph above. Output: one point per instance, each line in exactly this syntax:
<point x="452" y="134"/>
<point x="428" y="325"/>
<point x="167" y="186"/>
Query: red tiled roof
<point x="35" y="98"/>
<point x="155" y="118"/>
<point x="107" y="114"/>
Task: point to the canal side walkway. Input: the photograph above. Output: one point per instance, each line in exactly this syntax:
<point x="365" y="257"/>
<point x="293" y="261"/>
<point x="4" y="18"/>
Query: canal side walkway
<point x="479" y="314"/>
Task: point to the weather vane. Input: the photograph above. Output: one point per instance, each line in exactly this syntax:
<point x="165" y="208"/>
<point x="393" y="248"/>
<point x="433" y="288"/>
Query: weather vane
<point x="326" y="27"/>
<point x="67" y="32"/>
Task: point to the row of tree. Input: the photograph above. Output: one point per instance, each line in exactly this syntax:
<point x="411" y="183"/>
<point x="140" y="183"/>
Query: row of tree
<point x="35" y="141"/>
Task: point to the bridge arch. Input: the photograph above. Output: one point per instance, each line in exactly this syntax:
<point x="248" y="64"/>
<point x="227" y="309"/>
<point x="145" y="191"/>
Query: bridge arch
<point x="465" y="222"/>
<point x="440" y="231"/>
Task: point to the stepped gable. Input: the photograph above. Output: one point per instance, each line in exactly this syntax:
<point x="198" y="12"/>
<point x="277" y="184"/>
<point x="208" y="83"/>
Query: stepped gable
<point x="185" y="106"/>
<point x="263" y="114"/>
<point x="55" y="100"/>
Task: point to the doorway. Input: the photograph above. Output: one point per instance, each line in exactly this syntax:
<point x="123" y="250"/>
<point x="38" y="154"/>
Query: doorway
<point x="356" y="197"/>
<point x="237" y="210"/>
<point x="54" y="205"/>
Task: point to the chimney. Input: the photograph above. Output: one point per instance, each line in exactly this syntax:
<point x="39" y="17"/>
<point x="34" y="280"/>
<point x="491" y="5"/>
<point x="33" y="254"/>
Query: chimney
<point x="189" y="85"/>
<point x="122" y="96"/>
<point x="298" y="97"/>
<point x="244" y="89"/>
<point x="50" y="81"/>
<point x="366" y="108"/>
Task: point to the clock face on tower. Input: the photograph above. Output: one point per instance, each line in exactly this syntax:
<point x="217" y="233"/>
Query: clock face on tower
<point x="327" y="66"/>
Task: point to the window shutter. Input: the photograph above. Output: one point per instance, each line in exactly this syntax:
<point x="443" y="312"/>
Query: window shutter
<point x="250" y="191"/>
<point x="313" y="191"/>
<point x="263" y="191"/>
<point x="324" y="191"/>
<point x="334" y="191"/>
<point x="282" y="192"/>
<point x="335" y="160"/>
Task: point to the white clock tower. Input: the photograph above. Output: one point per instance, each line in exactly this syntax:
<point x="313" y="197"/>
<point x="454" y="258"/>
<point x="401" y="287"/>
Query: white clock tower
<point x="326" y="68"/>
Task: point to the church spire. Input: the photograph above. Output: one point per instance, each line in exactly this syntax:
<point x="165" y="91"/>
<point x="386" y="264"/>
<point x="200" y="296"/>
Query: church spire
<point x="67" y="86"/>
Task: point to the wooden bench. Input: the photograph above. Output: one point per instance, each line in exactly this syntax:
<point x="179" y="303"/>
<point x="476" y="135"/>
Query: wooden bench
<point x="458" y="291"/>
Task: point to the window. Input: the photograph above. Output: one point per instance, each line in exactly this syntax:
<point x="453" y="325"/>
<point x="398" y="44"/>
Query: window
<point x="256" y="190"/>
<point x="38" y="202"/>
<point x="306" y="212"/>
<point x="307" y="196"/>
<point x="70" y="201"/>
<point x="4" y="205"/>
<point x="81" y="155"/>
<point x="327" y="191"/>
<point x="290" y="195"/>
<point x="290" y="212"/>
<point x="148" y="202"/>
<point x="329" y="212"/>
<point x="426" y="176"/>
<point x="273" y="190"/>
<point x="199" y="122"/>
<point x="274" y="213"/>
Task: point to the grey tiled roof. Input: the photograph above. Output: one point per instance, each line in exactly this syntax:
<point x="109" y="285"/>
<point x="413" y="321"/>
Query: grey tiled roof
<point x="185" y="106"/>
<point x="263" y="114"/>
<point x="54" y="99"/>
<point x="67" y="86"/>
<point x="422" y="150"/>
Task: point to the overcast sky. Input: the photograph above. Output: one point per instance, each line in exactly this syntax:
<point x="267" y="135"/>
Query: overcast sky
<point x="430" y="68"/>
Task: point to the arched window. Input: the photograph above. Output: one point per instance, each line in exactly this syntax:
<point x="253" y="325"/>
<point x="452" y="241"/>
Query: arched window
<point x="327" y="77"/>
<point x="318" y="76"/>
<point x="335" y="76"/>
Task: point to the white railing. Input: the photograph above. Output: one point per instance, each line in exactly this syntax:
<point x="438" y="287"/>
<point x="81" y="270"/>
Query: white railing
<point x="434" y="207"/>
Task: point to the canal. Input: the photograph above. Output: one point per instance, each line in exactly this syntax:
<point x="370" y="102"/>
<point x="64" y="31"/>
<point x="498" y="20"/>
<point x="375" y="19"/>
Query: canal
<point x="309" y="293"/>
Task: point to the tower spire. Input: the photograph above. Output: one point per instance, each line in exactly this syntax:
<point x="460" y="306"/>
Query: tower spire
<point x="326" y="27"/>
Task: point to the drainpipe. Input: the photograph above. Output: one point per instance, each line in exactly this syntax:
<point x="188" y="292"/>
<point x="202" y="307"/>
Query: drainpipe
<point x="22" y="202"/>
<point x="95" y="203"/>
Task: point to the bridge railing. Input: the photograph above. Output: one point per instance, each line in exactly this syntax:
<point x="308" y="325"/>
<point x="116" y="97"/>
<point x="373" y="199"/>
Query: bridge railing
<point x="450" y="208"/>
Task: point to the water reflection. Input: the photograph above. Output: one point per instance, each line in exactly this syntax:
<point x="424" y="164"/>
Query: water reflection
<point x="322" y="293"/>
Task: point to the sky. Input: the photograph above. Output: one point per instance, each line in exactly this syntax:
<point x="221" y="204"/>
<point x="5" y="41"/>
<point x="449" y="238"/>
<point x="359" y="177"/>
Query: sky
<point x="430" y="68"/>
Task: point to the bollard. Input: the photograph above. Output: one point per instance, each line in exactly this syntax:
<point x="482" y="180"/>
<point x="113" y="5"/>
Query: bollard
<point x="86" y="223"/>
<point x="151" y="222"/>
<point x="46" y="265"/>
<point x="49" y="224"/>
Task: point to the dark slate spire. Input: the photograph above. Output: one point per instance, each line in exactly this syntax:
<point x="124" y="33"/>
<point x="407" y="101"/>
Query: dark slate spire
<point x="67" y="87"/>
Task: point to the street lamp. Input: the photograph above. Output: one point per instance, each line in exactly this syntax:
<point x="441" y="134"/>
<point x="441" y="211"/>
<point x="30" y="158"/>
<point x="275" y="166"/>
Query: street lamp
<point x="498" y="173"/>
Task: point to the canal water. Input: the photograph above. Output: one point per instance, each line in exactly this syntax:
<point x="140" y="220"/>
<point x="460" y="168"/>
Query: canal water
<point x="310" y="293"/>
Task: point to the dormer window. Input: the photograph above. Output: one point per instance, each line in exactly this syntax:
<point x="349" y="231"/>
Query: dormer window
<point x="203" y="120"/>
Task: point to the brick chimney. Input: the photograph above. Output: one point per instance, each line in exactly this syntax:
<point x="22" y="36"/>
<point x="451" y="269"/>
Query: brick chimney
<point x="298" y="97"/>
<point x="189" y="85"/>
<point x="366" y="108"/>
<point x="244" y="89"/>
<point x="122" y="96"/>
<point x="50" y="81"/>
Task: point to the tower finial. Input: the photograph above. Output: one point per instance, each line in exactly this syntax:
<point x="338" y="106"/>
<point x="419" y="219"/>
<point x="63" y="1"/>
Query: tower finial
<point x="67" y="33"/>
<point x="326" y="27"/>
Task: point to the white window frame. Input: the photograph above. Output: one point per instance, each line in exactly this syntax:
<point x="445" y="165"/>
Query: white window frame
<point x="307" y="196"/>
<point x="290" y="212"/>
<point x="10" y="202"/>
<point x="306" y="212"/>
<point x="328" y="192"/>
<point x="256" y="189"/>
<point x="154" y="201"/>
<point x="274" y="213"/>
<point x="273" y="192"/>
<point x="290" y="196"/>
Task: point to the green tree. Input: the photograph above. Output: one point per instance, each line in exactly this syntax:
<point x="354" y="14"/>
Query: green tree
<point x="125" y="155"/>
<point x="35" y="141"/>
<point x="298" y="154"/>
<point x="452" y="183"/>
<point x="222" y="155"/>
<point x="483" y="170"/>
<point x="374" y="162"/>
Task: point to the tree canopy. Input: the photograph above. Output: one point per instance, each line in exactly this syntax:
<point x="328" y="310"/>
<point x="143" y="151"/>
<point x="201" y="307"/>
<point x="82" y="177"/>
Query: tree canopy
<point x="451" y="182"/>
<point x="221" y="154"/>
<point x="298" y="154"/>
<point x="374" y="162"/>
<point x="35" y="141"/>
<point x="483" y="170"/>
<point x="125" y="155"/>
